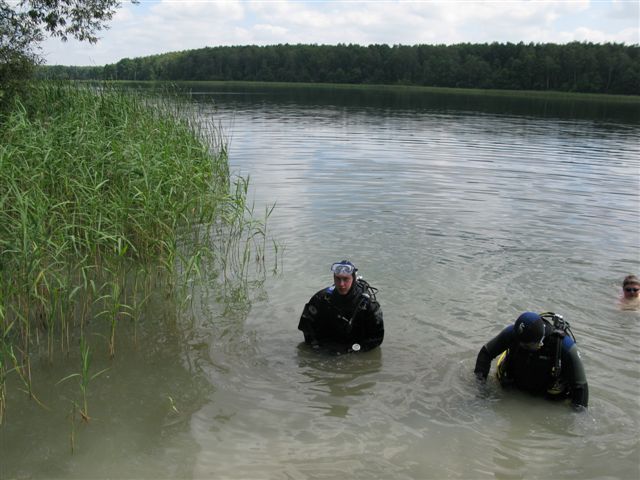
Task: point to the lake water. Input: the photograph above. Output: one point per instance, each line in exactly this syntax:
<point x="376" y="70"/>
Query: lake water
<point x="463" y="212"/>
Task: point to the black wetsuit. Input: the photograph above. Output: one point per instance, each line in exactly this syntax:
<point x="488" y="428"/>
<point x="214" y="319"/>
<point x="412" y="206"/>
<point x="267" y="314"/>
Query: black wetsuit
<point x="533" y="371"/>
<point x="339" y="321"/>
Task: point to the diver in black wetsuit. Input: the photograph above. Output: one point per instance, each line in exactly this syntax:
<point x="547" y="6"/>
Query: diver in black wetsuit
<point x="344" y="317"/>
<point x="541" y="357"/>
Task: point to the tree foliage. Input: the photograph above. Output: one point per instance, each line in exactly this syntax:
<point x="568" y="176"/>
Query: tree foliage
<point x="17" y="58"/>
<point x="76" y="18"/>
<point x="24" y="24"/>
<point x="576" y="67"/>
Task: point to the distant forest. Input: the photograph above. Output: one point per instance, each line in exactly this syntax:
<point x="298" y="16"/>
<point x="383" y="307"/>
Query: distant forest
<point x="573" y="67"/>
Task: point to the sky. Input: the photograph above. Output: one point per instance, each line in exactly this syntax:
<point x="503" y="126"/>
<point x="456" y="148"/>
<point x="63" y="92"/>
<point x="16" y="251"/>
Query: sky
<point x="159" y="26"/>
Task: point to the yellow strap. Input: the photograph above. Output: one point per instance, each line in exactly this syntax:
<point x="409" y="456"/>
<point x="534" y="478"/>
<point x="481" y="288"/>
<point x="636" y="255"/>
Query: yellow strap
<point x="500" y="368"/>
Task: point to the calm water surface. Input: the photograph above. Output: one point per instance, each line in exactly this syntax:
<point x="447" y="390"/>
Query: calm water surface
<point x="463" y="215"/>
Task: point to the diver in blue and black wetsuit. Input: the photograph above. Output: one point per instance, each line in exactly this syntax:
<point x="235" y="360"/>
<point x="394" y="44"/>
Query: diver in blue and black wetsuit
<point x="541" y="357"/>
<point x="344" y="317"/>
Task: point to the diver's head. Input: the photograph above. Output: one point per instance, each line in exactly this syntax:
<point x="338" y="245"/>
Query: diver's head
<point x="529" y="329"/>
<point x="344" y="276"/>
<point x="631" y="287"/>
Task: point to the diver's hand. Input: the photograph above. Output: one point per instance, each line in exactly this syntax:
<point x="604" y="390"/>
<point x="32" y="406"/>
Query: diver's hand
<point x="483" y="390"/>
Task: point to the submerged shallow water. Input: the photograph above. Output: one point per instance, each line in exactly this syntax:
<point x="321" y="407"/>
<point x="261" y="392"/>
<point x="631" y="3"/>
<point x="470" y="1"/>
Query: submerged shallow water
<point x="463" y="216"/>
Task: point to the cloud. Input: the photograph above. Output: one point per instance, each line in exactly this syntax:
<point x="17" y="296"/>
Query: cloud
<point x="270" y="30"/>
<point x="188" y="11"/>
<point x="624" y="9"/>
<point x="598" y="36"/>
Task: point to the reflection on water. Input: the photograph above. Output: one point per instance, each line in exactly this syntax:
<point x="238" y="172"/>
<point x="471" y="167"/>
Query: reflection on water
<point x="335" y="379"/>
<point x="377" y="98"/>
<point x="463" y="213"/>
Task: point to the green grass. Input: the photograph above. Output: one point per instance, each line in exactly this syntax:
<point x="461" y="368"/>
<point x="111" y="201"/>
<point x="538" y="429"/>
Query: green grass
<point x="103" y="192"/>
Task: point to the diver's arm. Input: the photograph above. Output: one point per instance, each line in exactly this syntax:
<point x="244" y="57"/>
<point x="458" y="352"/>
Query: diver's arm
<point x="374" y="327"/>
<point x="308" y="321"/>
<point x="491" y="350"/>
<point x="576" y="374"/>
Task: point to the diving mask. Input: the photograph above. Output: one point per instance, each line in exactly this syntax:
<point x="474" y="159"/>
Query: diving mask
<point x="343" y="268"/>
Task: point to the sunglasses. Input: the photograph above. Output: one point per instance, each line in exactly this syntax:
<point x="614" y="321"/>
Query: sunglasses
<point x="632" y="290"/>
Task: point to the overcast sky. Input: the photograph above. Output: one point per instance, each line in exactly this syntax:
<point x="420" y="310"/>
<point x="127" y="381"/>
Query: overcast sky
<point x="160" y="26"/>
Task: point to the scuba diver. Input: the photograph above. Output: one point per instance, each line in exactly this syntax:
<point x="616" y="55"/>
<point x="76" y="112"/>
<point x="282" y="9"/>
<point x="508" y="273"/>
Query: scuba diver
<point x="540" y="356"/>
<point x="344" y="317"/>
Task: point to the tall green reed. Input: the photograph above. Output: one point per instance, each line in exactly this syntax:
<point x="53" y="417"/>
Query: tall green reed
<point x="84" y="377"/>
<point x="101" y="192"/>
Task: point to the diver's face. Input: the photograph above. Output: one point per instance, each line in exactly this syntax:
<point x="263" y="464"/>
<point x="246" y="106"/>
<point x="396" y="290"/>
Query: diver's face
<point x="533" y="346"/>
<point x="343" y="283"/>
<point x="632" y="291"/>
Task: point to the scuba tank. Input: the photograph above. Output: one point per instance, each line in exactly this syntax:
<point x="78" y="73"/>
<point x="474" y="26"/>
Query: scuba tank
<point x="560" y="329"/>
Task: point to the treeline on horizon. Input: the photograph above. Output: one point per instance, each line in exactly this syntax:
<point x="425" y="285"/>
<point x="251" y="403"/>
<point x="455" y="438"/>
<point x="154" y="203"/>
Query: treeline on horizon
<point x="610" y="68"/>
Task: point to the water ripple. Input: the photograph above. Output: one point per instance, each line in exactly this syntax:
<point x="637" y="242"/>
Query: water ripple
<point x="462" y="220"/>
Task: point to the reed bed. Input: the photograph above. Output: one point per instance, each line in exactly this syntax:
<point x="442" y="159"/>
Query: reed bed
<point x="105" y="194"/>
